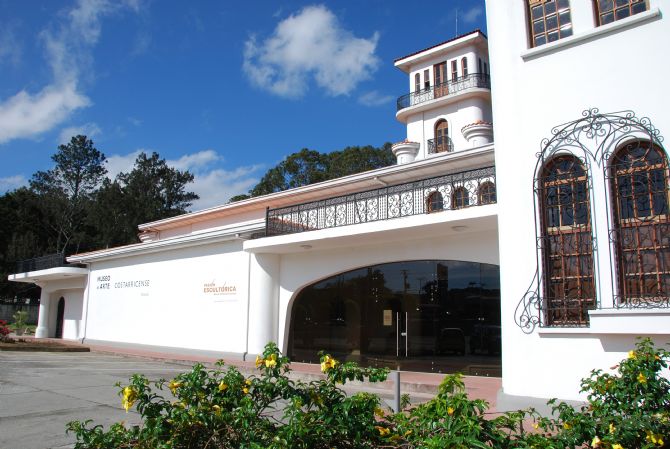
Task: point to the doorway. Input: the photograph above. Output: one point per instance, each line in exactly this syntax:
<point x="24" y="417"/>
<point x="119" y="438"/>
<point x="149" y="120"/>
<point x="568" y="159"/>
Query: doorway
<point x="59" y="318"/>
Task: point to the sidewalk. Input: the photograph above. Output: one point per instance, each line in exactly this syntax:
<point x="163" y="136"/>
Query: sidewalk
<point x="422" y="385"/>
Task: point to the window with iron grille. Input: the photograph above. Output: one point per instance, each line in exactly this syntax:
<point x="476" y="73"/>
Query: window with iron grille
<point x="641" y="234"/>
<point x="549" y="20"/>
<point x="608" y="11"/>
<point x="460" y="198"/>
<point x="566" y="242"/>
<point x="434" y="202"/>
<point x="486" y="193"/>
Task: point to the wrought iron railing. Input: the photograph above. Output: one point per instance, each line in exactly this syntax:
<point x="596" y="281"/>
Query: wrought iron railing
<point x="475" y="80"/>
<point x="447" y="192"/>
<point x="41" y="263"/>
<point x="446" y="146"/>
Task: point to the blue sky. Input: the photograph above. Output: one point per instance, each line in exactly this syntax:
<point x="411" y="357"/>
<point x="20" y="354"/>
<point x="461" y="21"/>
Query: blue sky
<point x="224" y="89"/>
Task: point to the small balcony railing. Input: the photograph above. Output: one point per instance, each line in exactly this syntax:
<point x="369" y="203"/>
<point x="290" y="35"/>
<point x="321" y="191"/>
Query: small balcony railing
<point x="444" y="145"/>
<point x="41" y="263"/>
<point x="442" y="193"/>
<point x="475" y="80"/>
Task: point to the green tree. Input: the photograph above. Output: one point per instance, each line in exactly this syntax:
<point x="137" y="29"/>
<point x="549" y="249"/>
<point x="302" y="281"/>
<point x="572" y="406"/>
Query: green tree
<point x="65" y="191"/>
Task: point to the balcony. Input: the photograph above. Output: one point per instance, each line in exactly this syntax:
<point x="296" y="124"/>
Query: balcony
<point x="41" y="263"/>
<point x="449" y="88"/>
<point x="443" y="193"/>
<point x="443" y="145"/>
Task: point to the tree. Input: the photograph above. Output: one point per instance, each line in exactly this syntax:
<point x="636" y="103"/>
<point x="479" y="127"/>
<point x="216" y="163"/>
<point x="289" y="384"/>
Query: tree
<point x="152" y="190"/>
<point x="308" y="167"/>
<point x="65" y="191"/>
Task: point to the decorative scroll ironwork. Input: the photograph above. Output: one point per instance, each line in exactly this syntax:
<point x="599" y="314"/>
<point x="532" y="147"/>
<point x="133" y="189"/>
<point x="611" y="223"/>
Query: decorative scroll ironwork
<point x="41" y="263"/>
<point x="458" y="190"/>
<point x="593" y="139"/>
<point x="475" y="80"/>
<point x="447" y="146"/>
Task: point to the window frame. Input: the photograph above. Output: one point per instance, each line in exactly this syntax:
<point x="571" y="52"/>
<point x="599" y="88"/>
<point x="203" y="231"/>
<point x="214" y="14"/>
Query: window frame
<point x="434" y="202"/>
<point x="558" y="12"/>
<point x="631" y="3"/>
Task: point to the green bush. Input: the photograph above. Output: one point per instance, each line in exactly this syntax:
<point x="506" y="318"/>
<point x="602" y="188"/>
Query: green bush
<point x="224" y="409"/>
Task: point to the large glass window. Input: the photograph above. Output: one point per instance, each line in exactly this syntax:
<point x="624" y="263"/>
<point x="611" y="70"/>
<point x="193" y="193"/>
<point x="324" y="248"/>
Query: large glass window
<point x="427" y="315"/>
<point x="442" y="141"/>
<point x="611" y="10"/>
<point x="567" y="243"/>
<point x="639" y="183"/>
<point x="549" y="20"/>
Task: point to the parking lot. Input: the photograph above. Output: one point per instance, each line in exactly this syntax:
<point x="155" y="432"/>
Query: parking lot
<point x="41" y="392"/>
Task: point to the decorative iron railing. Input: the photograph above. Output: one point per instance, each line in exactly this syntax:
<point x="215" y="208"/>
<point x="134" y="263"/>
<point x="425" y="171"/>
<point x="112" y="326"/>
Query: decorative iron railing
<point x="447" y="192"/>
<point x="475" y="80"/>
<point x="41" y="263"/>
<point x="446" y="146"/>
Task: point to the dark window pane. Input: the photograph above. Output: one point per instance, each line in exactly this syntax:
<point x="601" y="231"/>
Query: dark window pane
<point x="540" y="40"/>
<point x="538" y="26"/>
<point x="564" y="18"/>
<point x="605" y="5"/>
<point x="607" y="18"/>
<point x="622" y="13"/>
<point x="553" y="36"/>
<point x="567" y="31"/>
<point x="622" y="2"/>
<point x="563" y="4"/>
<point x="639" y="7"/>
<point x="536" y="12"/>
<point x="552" y="22"/>
<point x="550" y="7"/>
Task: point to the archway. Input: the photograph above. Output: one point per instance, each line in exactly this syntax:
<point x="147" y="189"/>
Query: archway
<point x="426" y="315"/>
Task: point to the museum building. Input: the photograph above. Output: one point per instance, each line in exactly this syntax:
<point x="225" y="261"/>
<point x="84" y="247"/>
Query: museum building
<point x="535" y="258"/>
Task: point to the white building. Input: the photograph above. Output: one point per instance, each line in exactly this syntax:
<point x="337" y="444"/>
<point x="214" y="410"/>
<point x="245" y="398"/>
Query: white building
<point x="401" y="265"/>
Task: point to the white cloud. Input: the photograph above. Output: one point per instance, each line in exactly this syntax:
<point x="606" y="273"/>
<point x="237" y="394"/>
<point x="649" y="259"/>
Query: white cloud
<point x="12" y="182"/>
<point x="472" y="14"/>
<point x="89" y="130"/>
<point x="374" y="98"/>
<point x="214" y="185"/>
<point x="25" y="115"/>
<point x="68" y="52"/>
<point x="310" y="45"/>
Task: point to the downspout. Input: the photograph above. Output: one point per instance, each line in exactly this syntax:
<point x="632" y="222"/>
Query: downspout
<point x="88" y="294"/>
<point x="246" y="346"/>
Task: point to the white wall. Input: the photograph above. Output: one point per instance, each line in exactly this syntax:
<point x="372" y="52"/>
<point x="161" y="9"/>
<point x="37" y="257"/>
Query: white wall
<point x="533" y="91"/>
<point x="165" y="303"/>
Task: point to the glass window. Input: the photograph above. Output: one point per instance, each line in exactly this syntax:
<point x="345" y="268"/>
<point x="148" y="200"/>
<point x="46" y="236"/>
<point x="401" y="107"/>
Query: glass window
<point x="434" y="202"/>
<point x="460" y="198"/>
<point x="487" y="193"/>
<point x="639" y="183"/>
<point x="417" y="82"/>
<point x="426" y="79"/>
<point x="442" y="141"/>
<point x="549" y="20"/>
<point x="566" y="242"/>
<point x="611" y="10"/>
<point x="464" y="66"/>
<point x="454" y="70"/>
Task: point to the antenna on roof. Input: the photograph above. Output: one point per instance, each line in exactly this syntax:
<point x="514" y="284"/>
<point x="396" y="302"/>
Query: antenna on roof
<point x="456" y="21"/>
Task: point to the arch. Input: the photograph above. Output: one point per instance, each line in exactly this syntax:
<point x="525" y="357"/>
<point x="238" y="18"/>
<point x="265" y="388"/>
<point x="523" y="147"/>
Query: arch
<point x="417" y="82"/>
<point x="638" y="180"/>
<point x="486" y="194"/>
<point x="441" y="132"/>
<point x="464" y="66"/>
<point x="460" y="198"/>
<point x="434" y="202"/>
<point x="566" y="241"/>
<point x="60" y="314"/>
<point x="452" y="307"/>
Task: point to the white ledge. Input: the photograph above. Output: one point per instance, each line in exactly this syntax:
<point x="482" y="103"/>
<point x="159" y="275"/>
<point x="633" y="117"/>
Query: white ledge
<point x="655" y="321"/>
<point x="594" y="33"/>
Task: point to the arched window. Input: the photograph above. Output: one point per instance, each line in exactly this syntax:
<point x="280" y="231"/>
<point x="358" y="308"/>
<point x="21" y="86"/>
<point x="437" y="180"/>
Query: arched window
<point x="464" y="66"/>
<point x="567" y="243"/>
<point x="417" y="82"/>
<point x="611" y="10"/>
<point x="639" y="185"/>
<point x="460" y="198"/>
<point x="434" y="202"/>
<point x="442" y="141"/>
<point x="486" y="193"/>
<point x="549" y="20"/>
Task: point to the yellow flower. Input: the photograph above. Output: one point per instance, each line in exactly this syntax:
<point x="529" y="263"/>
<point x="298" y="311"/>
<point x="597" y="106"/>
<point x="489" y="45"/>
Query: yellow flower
<point x="450" y="411"/>
<point x="173" y="385"/>
<point x="612" y="428"/>
<point x="596" y="442"/>
<point x="567" y="426"/>
<point x="379" y="412"/>
<point x="632" y="355"/>
<point x="248" y="381"/>
<point x="642" y="378"/>
<point x="617" y="446"/>
<point x="271" y="361"/>
<point x="245" y="390"/>
<point x="223" y="386"/>
<point x="328" y="363"/>
<point x="259" y="361"/>
<point x="216" y="408"/>
<point x="129" y="397"/>
<point x="655" y="438"/>
<point x="536" y="426"/>
<point x="382" y="430"/>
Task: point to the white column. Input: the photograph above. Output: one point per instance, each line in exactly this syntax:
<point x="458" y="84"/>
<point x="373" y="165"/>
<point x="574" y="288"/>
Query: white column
<point x="263" y="301"/>
<point x="42" y="330"/>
